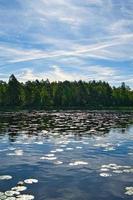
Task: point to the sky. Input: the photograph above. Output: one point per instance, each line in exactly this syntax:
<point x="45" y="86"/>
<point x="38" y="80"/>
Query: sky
<point x="67" y="40"/>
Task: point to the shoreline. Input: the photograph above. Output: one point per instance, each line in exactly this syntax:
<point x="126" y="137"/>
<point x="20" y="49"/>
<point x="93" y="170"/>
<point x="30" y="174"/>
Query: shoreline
<point x="68" y="109"/>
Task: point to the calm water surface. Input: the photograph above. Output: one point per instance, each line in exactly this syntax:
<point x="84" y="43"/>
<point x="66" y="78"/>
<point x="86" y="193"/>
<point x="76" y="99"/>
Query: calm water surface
<point x="73" y="155"/>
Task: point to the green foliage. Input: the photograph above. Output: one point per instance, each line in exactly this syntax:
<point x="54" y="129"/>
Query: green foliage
<point x="43" y="94"/>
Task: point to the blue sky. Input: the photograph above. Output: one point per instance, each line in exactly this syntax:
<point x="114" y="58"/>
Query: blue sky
<point x="67" y="40"/>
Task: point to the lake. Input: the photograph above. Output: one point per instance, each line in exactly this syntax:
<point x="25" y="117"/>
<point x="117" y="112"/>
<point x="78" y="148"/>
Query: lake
<point x="66" y="155"/>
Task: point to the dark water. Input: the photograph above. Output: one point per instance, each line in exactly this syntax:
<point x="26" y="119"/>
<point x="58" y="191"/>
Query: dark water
<point x="73" y="155"/>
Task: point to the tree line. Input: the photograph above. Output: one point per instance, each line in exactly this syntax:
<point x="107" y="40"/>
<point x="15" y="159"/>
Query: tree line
<point x="77" y="94"/>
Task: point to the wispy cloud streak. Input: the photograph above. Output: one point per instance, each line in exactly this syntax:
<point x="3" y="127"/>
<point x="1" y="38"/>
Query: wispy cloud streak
<point x="71" y="34"/>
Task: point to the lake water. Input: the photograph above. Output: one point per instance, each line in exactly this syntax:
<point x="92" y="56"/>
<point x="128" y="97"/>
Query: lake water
<point x="69" y="155"/>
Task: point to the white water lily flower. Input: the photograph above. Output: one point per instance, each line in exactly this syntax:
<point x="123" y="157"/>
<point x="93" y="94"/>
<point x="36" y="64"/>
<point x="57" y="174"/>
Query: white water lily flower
<point x="30" y="181"/>
<point x="5" y="177"/>
<point x="25" y="197"/>
<point x="19" y="188"/>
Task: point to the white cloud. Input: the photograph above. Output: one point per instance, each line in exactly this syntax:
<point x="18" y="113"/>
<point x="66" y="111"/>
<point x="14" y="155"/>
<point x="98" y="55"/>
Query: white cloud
<point x="69" y="31"/>
<point x="112" y="49"/>
<point x="56" y="73"/>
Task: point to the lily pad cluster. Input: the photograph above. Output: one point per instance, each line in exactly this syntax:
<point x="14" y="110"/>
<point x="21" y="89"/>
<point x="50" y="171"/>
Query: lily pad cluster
<point x="108" y="170"/>
<point x="15" y="192"/>
<point x="129" y="190"/>
<point x="112" y="168"/>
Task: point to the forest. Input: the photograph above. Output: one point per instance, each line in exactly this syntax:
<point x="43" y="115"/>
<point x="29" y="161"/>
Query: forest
<point x="63" y="95"/>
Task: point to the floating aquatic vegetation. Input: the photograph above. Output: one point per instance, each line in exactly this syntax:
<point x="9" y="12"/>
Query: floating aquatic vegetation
<point x="69" y="148"/>
<point x="2" y="150"/>
<point x="12" y="148"/>
<point x="102" y="145"/>
<point x="17" y="152"/>
<point x="38" y="142"/>
<point x="109" y="149"/>
<point x="78" y="163"/>
<point x="106" y="146"/>
<point x="5" y="177"/>
<point x="49" y="155"/>
<point x="63" y="145"/>
<point x="10" y="198"/>
<point x="130" y="153"/>
<point x="129" y="190"/>
<point x="3" y="197"/>
<point x="104" y="169"/>
<point x="30" y="181"/>
<point x="1" y="194"/>
<point x="78" y="147"/>
<point x="11" y="193"/>
<point x="20" y="183"/>
<point x="19" y="188"/>
<point x="105" y="174"/>
<point x="25" y="197"/>
<point x="59" y="150"/>
<point x="117" y="169"/>
<point x="52" y="151"/>
<point x="58" y="162"/>
<point x="128" y="170"/>
<point x="48" y="158"/>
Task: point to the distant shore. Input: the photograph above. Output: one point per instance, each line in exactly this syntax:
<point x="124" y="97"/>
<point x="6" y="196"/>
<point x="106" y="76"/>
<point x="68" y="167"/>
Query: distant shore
<point x="33" y="109"/>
